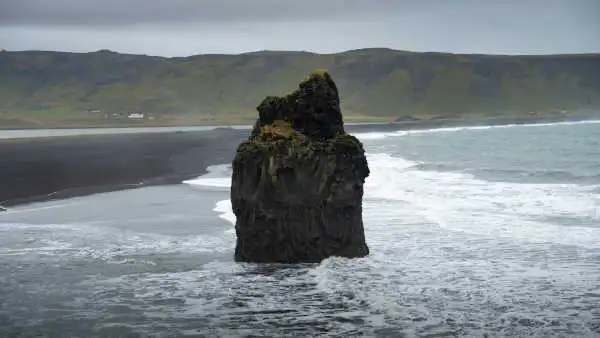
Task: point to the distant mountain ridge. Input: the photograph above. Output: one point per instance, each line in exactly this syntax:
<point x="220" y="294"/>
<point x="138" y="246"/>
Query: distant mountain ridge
<point x="373" y="82"/>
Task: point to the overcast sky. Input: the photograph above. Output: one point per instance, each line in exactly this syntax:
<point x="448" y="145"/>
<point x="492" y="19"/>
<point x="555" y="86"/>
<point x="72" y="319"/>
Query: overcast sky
<point x="186" y="27"/>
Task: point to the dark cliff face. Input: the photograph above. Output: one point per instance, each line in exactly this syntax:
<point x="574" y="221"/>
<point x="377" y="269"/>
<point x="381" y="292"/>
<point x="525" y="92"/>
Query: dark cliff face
<point x="297" y="183"/>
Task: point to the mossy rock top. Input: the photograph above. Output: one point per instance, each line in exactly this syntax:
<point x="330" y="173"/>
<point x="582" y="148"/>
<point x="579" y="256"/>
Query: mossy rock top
<point x="318" y="75"/>
<point x="313" y="109"/>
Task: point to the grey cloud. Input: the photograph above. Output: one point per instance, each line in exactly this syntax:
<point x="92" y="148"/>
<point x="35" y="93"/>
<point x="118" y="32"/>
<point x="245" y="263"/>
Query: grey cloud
<point x="124" y="12"/>
<point x="184" y="27"/>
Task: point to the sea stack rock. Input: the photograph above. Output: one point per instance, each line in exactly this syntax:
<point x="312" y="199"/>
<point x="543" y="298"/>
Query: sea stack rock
<point x="297" y="182"/>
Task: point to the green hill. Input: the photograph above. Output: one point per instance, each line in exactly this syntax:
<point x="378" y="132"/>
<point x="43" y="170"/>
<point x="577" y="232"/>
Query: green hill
<point x="374" y="83"/>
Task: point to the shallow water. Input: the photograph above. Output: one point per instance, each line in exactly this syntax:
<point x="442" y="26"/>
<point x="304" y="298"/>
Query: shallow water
<point x="472" y="232"/>
<point x="34" y="133"/>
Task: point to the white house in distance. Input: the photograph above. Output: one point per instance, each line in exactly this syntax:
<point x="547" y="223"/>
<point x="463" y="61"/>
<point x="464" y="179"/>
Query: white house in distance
<point x="136" y="116"/>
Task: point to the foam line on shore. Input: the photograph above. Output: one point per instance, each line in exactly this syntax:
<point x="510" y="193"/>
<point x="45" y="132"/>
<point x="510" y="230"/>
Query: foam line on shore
<point x="382" y="135"/>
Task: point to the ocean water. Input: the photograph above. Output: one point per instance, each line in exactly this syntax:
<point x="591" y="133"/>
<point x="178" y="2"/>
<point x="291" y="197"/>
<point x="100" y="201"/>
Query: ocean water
<point x="477" y="231"/>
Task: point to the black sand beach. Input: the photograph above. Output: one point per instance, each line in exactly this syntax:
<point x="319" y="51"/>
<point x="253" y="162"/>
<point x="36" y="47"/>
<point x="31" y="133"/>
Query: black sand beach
<point x="52" y="168"/>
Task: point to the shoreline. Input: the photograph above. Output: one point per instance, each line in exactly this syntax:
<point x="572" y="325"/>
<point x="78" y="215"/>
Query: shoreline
<point x="480" y="122"/>
<point x="350" y="120"/>
<point x="408" y="124"/>
<point x="39" y="169"/>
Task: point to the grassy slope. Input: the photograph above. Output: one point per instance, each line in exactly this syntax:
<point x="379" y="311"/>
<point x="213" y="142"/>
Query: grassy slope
<point x="374" y="83"/>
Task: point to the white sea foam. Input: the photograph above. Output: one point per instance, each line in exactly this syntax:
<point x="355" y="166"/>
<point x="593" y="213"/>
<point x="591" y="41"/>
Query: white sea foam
<point x="462" y="202"/>
<point x="218" y="176"/>
<point x="225" y="212"/>
<point x="37" y="208"/>
<point x="382" y="135"/>
<point x="211" y="182"/>
<point x="88" y="240"/>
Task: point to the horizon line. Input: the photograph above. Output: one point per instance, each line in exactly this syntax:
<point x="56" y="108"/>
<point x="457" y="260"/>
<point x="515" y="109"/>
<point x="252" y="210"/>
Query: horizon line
<point x="107" y="50"/>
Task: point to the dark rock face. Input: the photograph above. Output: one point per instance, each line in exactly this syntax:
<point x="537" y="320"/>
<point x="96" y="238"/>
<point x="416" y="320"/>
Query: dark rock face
<point x="297" y="183"/>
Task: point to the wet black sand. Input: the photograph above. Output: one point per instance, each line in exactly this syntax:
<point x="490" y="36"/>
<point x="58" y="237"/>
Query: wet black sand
<point x="62" y="167"/>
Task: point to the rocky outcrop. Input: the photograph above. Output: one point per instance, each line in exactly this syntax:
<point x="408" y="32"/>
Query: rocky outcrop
<point x="297" y="183"/>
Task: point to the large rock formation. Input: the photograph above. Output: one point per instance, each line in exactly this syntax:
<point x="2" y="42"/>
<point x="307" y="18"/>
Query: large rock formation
<point x="297" y="183"/>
